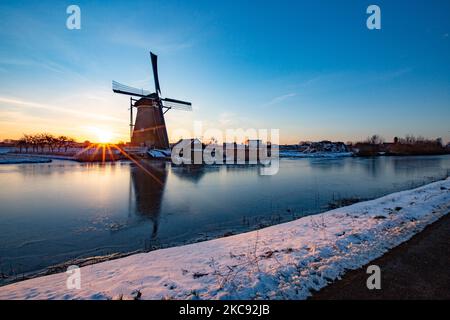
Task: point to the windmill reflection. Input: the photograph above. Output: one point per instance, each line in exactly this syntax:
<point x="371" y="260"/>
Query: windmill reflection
<point x="148" y="180"/>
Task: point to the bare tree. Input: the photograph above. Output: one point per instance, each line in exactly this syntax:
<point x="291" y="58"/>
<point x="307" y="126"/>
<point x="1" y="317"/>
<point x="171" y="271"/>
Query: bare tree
<point x="375" y="139"/>
<point x="40" y="141"/>
<point x="69" y="143"/>
<point x="61" y="142"/>
<point x="21" y="143"/>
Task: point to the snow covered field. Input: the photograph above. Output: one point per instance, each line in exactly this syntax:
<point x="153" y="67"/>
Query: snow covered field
<point x="286" y="261"/>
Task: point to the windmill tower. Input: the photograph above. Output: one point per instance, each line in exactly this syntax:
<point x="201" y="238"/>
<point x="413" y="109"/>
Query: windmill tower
<point x="149" y="128"/>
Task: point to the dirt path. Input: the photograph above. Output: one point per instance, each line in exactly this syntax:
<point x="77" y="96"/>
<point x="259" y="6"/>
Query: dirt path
<point x="417" y="269"/>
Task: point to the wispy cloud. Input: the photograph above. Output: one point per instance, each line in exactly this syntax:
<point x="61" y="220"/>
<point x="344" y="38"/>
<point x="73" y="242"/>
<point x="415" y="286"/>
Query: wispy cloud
<point x="32" y="104"/>
<point x="32" y="63"/>
<point x="279" y="99"/>
<point x="43" y="64"/>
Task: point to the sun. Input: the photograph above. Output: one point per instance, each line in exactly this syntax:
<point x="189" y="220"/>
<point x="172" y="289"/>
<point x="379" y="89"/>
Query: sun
<point x="103" y="136"/>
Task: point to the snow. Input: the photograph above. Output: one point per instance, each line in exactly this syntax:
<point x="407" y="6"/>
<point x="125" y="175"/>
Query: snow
<point x="296" y="154"/>
<point x="157" y="153"/>
<point x="13" y="159"/>
<point x="286" y="261"/>
<point x="322" y="147"/>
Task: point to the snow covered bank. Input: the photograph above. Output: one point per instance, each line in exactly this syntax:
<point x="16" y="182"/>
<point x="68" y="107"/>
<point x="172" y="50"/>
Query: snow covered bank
<point x="16" y="158"/>
<point x="297" y="154"/>
<point x="43" y="156"/>
<point x="285" y="261"/>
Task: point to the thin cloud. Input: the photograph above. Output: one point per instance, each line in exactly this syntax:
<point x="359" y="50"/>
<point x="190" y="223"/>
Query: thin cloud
<point x="31" y="104"/>
<point x="31" y="63"/>
<point x="44" y="64"/>
<point x="280" y="99"/>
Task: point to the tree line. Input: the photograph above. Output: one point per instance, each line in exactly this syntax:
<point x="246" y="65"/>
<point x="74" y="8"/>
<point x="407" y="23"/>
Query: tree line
<point x="408" y="139"/>
<point x="409" y="145"/>
<point x="42" y="141"/>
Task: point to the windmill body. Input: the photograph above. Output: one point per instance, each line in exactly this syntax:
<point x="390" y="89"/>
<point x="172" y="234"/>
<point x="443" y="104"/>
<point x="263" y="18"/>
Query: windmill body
<point x="149" y="128"/>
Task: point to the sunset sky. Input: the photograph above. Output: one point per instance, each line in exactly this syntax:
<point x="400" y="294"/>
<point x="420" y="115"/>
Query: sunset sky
<point x="309" y="68"/>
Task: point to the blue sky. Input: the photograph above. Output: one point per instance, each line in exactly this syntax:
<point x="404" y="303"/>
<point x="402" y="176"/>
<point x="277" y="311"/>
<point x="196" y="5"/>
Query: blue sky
<point x="309" y="68"/>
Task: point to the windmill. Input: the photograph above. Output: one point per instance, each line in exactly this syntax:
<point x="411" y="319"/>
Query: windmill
<point x="149" y="128"/>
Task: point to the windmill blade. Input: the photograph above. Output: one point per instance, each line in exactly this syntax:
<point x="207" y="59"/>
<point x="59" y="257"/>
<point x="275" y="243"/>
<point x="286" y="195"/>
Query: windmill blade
<point x="177" y="104"/>
<point x="124" y="89"/>
<point x="154" y="59"/>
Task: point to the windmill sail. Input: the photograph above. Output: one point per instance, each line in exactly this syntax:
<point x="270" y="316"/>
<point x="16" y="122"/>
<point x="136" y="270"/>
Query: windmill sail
<point x="124" y="89"/>
<point x="154" y="58"/>
<point x="176" y="104"/>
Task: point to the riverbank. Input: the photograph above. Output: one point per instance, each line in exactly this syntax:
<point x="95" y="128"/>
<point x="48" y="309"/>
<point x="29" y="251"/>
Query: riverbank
<point x="7" y="158"/>
<point x="286" y="261"/>
<point x="416" y="269"/>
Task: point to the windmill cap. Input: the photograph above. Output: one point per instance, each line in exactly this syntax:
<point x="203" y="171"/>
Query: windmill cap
<point x="150" y="100"/>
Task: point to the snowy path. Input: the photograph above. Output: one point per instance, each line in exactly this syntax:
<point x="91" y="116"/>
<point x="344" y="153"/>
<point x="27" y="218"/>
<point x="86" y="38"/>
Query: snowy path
<point x="280" y="262"/>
